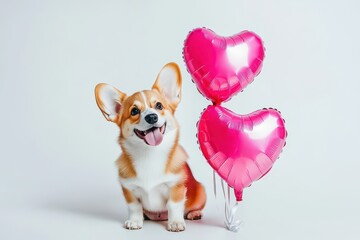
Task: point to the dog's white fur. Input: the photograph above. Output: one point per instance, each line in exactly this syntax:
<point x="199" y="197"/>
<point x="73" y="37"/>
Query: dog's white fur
<point x="152" y="184"/>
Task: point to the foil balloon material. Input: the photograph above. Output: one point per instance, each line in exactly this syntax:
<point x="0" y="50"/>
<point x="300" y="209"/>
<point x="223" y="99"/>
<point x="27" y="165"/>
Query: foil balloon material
<point x="222" y="66"/>
<point x="241" y="148"/>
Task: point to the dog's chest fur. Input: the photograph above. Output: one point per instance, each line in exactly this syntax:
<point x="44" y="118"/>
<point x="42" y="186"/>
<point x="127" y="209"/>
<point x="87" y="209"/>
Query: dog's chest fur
<point x="151" y="184"/>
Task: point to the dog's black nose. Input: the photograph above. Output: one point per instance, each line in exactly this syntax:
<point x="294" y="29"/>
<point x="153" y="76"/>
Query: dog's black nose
<point x="151" y="118"/>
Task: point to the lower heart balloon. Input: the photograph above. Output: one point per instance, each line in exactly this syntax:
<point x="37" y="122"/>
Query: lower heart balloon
<point x="241" y="148"/>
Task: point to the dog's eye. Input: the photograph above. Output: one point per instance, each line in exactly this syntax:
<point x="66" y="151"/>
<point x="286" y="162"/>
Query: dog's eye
<point x="159" y="106"/>
<point x="135" y="111"/>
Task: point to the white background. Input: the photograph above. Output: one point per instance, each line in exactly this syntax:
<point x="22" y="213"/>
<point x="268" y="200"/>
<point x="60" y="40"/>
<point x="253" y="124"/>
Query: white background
<point x="57" y="174"/>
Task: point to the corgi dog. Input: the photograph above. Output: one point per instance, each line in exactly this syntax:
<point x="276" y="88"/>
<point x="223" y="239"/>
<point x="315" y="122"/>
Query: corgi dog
<point x="156" y="180"/>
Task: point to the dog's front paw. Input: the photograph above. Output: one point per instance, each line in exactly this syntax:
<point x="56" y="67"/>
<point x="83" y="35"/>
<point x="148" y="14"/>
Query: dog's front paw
<point x="176" y="226"/>
<point x="133" y="224"/>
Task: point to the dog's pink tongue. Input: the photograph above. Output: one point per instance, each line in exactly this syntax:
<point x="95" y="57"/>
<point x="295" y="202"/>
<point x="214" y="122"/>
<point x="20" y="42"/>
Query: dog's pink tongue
<point x="154" y="138"/>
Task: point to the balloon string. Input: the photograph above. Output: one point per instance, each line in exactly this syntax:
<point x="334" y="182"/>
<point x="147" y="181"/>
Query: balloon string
<point x="231" y="223"/>
<point x="228" y="194"/>
<point x="214" y="181"/>
<point x="223" y="188"/>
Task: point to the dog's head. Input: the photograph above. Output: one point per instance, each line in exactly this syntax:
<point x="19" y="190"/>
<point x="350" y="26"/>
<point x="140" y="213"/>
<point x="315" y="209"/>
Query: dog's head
<point x="145" y="117"/>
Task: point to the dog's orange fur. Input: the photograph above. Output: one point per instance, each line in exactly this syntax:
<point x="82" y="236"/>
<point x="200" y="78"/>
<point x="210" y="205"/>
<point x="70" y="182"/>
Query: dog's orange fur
<point x="195" y="193"/>
<point x="176" y="163"/>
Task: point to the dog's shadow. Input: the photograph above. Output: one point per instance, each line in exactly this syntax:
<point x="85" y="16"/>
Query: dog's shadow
<point x="102" y="205"/>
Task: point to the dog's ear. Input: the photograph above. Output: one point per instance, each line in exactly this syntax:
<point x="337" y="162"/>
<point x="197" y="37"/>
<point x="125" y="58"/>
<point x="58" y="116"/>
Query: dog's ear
<point x="168" y="83"/>
<point x="109" y="100"/>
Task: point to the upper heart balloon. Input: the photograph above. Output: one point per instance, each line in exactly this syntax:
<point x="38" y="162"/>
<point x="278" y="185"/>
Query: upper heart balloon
<point x="222" y="66"/>
<point x="241" y="148"/>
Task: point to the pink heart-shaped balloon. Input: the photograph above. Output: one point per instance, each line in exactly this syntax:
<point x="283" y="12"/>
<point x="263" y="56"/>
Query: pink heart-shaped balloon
<point x="222" y="66"/>
<point x="241" y="148"/>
